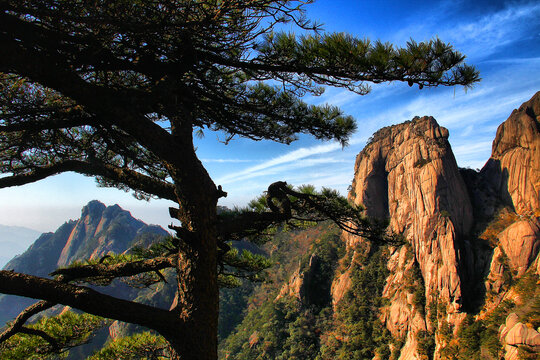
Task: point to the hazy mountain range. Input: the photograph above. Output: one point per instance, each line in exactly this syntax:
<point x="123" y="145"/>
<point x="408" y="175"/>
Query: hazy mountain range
<point x="14" y="240"/>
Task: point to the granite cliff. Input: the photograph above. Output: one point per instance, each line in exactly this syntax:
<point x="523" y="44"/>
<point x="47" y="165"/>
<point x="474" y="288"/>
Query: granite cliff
<point x="461" y="227"/>
<point x="463" y="286"/>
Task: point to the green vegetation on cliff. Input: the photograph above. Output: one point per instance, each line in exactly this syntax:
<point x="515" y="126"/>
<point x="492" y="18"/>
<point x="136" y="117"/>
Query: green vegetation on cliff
<point x="303" y="325"/>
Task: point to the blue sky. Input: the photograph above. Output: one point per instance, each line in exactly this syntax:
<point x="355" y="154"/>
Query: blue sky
<point x="501" y="38"/>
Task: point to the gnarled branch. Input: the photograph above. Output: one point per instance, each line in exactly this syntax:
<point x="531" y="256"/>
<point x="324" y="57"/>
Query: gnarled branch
<point x="21" y="319"/>
<point x="85" y="299"/>
<point x="133" y="179"/>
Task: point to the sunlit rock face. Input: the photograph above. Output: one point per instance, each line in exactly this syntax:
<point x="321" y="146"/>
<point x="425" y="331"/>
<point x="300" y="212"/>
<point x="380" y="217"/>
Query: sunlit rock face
<point x="408" y="174"/>
<point x="515" y="334"/>
<point x="101" y="230"/>
<point x="514" y="167"/>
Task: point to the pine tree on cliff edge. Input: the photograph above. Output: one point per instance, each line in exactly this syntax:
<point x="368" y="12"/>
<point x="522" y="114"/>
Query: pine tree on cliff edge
<point x="116" y="89"/>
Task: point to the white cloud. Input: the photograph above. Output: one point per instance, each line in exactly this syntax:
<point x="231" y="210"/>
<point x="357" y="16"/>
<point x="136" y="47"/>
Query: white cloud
<point x="467" y="131"/>
<point x="468" y="150"/>
<point x="226" y="160"/>
<point x="282" y="172"/>
<point x="514" y="60"/>
<point x="336" y="97"/>
<point x="266" y="167"/>
<point x="484" y="36"/>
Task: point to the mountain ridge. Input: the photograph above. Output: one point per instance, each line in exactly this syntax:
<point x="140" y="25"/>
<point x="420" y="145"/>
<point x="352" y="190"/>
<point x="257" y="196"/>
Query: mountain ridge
<point x="98" y="231"/>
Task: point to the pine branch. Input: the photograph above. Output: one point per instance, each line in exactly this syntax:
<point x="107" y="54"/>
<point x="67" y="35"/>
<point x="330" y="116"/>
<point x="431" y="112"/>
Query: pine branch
<point x="284" y="204"/>
<point x="85" y="299"/>
<point x="55" y="347"/>
<point x="133" y="179"/>
<point x="21" y="319"/>
<point x="82" y="272"/>
<point x="44" y="125"/>
<point x="111" y="104"/>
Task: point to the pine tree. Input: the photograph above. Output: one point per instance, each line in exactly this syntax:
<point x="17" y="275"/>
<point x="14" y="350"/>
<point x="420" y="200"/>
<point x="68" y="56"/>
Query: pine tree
<point x="115" y="90"/>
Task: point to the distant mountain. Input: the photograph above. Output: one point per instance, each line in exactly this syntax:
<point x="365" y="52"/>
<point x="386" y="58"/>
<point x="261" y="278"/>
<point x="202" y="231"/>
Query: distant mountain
<point x="100" y="230"/>
<point x="14" y="240"/>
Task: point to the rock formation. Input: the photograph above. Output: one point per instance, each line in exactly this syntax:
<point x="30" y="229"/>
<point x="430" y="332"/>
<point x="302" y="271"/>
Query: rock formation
<point x="514" y="167"/>
<point x="408" y="174"/>
<point x="304" y="285"/>
<point x="515" y="334"/>
<point x="470" y="258"/>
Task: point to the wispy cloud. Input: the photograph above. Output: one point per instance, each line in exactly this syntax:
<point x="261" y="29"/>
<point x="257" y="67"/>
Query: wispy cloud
<point x="295" y="155"/>
<point x="477" y="37"/>
<point x="473" y="155"/>
<point x="336" y="97"/>
<point x="289" y="172"/>
<point x="514" y="60"/>
<point x="484" y="36"/>
<point x="227" y="160"/>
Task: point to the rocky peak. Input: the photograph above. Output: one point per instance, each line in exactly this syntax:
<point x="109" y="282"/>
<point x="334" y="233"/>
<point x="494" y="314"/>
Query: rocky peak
<point x="513" y="170"/>
<point x="307" y="285"/>
<point x="523" y="121"/>
<point x="93" y="209"/>
<point x="99" y="230"/>
<point x="408" y="174"/>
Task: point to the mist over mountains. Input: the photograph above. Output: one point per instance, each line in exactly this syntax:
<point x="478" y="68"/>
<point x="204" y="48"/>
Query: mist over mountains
<point x="14" y="240"/>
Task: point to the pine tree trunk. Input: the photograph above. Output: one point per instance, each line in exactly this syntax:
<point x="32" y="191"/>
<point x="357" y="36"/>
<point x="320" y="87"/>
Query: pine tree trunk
<point x="198" y="295"/>
<point x="192" y="332"/>
<point x="197" y="302"/>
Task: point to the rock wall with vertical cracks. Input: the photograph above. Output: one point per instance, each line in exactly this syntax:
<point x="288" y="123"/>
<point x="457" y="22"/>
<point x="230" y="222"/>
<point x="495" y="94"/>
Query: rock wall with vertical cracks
<point x="408" y="174"/>
<point x="464" y="229"/>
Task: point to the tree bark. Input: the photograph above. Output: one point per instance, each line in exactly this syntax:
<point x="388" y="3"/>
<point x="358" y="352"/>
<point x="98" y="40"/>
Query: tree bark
<point x="197" y="301"/>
